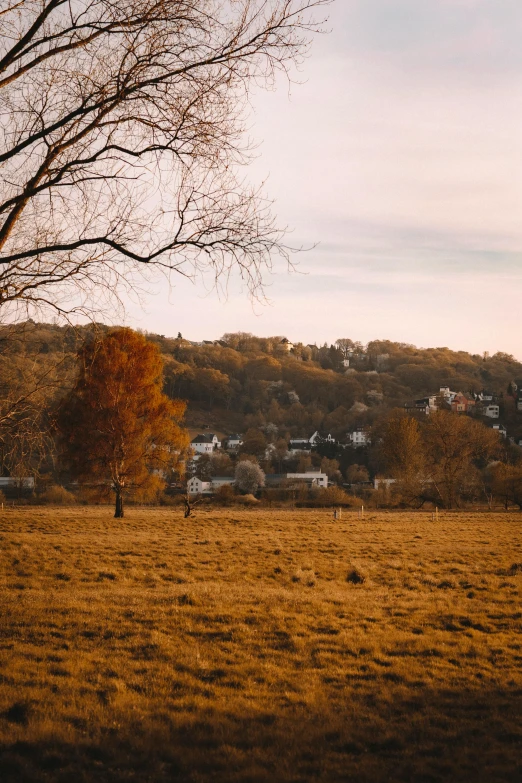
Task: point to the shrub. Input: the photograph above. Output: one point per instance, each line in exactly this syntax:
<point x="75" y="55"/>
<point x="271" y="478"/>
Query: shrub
<point x="225" y="495"/>
<point x="333" y="496"/>
<point x="247" y="500"/>
<point x="58" y="496"/>
<point x="355" y="577"/>
<point x="99" y="495"/>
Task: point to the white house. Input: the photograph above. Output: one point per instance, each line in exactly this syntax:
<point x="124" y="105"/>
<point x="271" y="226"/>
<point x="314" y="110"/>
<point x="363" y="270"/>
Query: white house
<point x="485" y="396"/>
<point x="501" y="430"/>
<point x="285" y="345"/>
<point x="202" y="444"/>
<point x="448" y="395"/>
<point x="492" y="411"/>
<point x="359" y="437"/>
<point x="234" y="441"/>
<point x="205" y="444"/>
<point x="196" y="486"/>
<point x="384" y="482"/>
<point x="220" y="481"/>
<point x="312" y="477"/>
<point x="315" y="439"/>
<point x="299" y="444"/>
<point x="26" y="482"/>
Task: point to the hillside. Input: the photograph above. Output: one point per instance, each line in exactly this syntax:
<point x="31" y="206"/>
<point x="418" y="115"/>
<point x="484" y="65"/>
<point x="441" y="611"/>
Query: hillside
<point x="243" y="381"/>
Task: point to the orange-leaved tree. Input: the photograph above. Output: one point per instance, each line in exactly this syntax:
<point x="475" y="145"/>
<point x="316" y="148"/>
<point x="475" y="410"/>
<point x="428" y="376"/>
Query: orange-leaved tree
<point x="116" y="424"/>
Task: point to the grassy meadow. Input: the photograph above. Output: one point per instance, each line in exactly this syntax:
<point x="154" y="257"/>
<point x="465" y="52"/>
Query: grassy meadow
<point x="256" y="645"/>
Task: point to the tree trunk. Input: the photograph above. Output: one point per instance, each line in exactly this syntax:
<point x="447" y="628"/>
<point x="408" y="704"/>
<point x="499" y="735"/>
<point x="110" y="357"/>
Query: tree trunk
<point x="118" y="513"/>
<point x="187" y="508"/>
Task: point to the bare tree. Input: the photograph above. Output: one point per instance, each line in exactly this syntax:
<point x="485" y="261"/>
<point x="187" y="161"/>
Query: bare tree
<point x="122" y="139"/>
<point x="29" y="383"/>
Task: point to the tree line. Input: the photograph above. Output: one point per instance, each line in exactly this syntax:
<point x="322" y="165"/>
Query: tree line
<point x="272" y="396"/>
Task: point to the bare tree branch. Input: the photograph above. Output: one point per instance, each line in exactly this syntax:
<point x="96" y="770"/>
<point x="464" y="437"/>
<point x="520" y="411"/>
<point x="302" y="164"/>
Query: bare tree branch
<point x="122" y="139"/>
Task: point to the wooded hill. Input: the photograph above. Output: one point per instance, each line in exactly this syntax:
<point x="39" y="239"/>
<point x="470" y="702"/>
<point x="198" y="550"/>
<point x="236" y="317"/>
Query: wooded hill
<point x="242" y="381"/>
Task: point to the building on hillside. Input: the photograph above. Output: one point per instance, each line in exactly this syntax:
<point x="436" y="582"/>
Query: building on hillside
<point x="359" y="437"/>
<point x="462" y="403"/>
<point x="296" y="445"/>
<point x="500" y="429"/>
<point x="204" y="444"/>
<point x="418" y="406"/>
<point x="491" y="411"/>
<point x="447" y="395"/>
<point x="317" y="438"/>
<point x="285" y="345"/>
<point x="234" y="441"/>
<point x="519" y="403"/>
<point x="485" y="396"/>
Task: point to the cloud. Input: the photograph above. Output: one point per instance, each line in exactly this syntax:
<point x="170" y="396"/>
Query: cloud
<point x="474" y="35"/>
<point x="401" y="154"/>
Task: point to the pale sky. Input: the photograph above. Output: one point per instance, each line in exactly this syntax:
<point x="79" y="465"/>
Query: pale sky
<point x="401" y="157"/>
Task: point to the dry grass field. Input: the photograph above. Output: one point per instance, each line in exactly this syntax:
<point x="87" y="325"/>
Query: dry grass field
<point x="246" y="645"/>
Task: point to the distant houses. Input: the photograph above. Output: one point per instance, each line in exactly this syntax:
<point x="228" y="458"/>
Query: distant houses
<point x="310" y="478"/>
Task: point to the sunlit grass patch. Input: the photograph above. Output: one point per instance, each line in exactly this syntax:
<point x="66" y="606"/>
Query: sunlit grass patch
<point x="259" y="646"/>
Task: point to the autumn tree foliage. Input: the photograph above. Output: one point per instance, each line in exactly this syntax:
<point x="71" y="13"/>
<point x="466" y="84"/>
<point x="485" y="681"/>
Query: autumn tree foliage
<point x="438" y="459"/>
<point x="456" y="448"/>
<point x="116" y="424"/>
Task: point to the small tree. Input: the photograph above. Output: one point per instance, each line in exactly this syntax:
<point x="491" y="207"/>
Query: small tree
<point x="254" y="442"/>
<point x="249" y="477"/>
<point x="116" y="424"/>
<point x="357" y="474"/>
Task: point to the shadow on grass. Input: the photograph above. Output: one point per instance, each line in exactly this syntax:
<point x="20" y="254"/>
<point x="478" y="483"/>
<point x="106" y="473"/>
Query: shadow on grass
<point x="434" y="737"/>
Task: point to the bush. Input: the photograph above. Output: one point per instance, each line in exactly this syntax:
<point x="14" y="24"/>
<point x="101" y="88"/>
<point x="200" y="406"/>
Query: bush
<point x="165" y="499"/>
<point x="330" y="497"/>
<point x="247" y="500"/>
<point x="225" y="495"/>
<point x="57" y="496"/>
<point x="355" y="577"/>
<point x="95" y="496"/>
